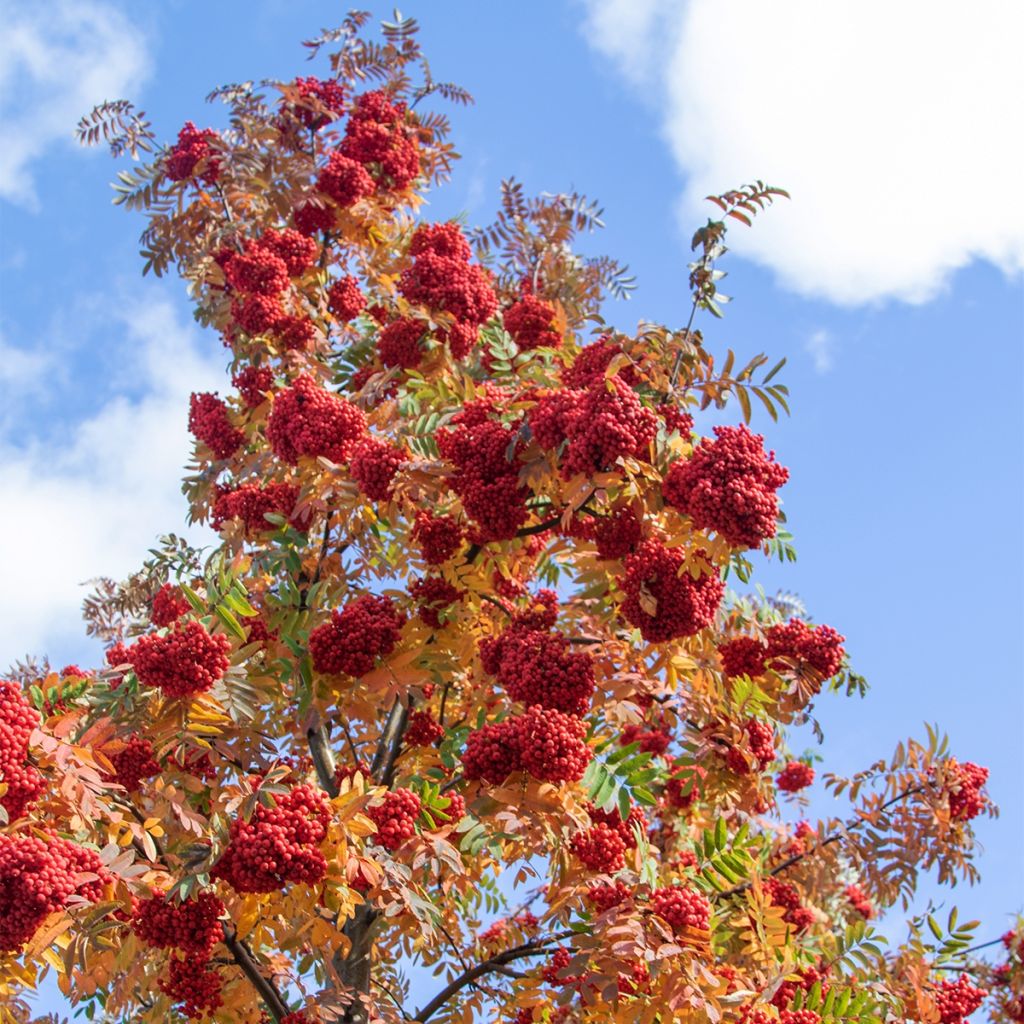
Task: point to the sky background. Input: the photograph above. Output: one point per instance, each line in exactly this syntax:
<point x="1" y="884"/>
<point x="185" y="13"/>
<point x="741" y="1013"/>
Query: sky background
<point x="892" y="282"/>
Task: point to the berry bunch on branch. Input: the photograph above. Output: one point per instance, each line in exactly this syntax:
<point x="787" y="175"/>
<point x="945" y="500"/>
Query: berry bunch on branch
<point x="460" y="685"/>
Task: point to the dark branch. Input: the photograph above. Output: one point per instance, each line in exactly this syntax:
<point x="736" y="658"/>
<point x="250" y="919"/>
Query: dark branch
<point x="264" y="986"/>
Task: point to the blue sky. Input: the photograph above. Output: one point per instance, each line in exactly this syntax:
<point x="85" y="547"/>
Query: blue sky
<point x="891" y="282"/>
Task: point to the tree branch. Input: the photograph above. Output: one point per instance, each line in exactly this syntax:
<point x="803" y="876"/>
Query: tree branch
<point x="849" y="826"/>
<point x="383" y="765"/>
<point x="323" y="759"/>
<point x="264" y="986"/>
<point x="538" y="947"/>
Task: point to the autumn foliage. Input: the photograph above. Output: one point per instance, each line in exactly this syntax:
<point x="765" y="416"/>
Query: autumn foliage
<point x="469" y="684"/>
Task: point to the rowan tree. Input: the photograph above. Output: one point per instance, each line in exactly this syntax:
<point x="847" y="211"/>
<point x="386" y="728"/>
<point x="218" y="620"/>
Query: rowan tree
<point x="470" y="680"/>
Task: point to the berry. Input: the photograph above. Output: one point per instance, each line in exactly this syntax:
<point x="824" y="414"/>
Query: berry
<point x="376" y="136"/>
<point x="682" y="908"/>
<point x="551" y="745"/>
<point x="295" y="333"/>
<point x="192" y="148"/>
<point x="258" y="269"/>
<point x="626" y="828"/>
<point x="37" y="877"/>
<point x="373" y="466"/>
<point x="541" y="668"/>
<point x="395" y="817"/>
<point x="345" y="181"/>
<point x="821" y="648"/>
<point x="251" y="503"/>
<point x="253" y="382"/>
<point x="799" y="1017"/>
<point x="652" y="741"/>
<point x="676" y="419"/>
<point x="192" y="982"/>
<point x="684" y="787"/>
<point x="312" y="217"/>
<point x="859" y="902"/>
<point x="486" y="478"/>
<point x="208" y="422"/>
<point x="306" y="419"/>
<point x="531" y="322"/>
<point x="192" y="926"/>
<point x="433" y="594"/>
<point x="329" y="95"/>
<point x="439" y="537"/>
<point x="606" y="895"/>
<point x="957" y="1000"/>
<point x="618" y="535"/>
<point x="795" y="776"/>
<point x="600" y="848"/>
<point x="552" y="417"/>
<point x="590" y="365"/>
<point x="134" y="762"/>
<point x="456" y="809"/>
<point x="423" y="730"/>
<point x="345" y="300"/>
<point x="966" y="800"/>
<point x="168" y="605"/>
<point x="354" y="637"/>
<point x="278" y="844"/>
<point x="17" y="720"/>
<point x="399" y="343"/>
<point x="446" y="240"/>
<point x="743" y="656"/>
<point x="185" y="661"/>
<point x="492" y="752"/>
<point x="552" y="972"/>
<point x="258" y="314"/>
<point x="760" y="744"/>
<point x="662" y="599"/>
<point x="728" y="485"/>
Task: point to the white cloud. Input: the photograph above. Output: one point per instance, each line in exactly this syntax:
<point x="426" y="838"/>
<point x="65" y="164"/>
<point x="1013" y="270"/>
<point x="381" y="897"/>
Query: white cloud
<point x="92" y="501"/>
<point x="893" y="125"/>
<point x="820" y="346"/>
<point x="58" y="60"/>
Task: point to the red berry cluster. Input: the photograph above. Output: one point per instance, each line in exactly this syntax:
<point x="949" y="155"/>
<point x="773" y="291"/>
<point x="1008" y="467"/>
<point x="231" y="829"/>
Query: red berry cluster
<point x="799" y="1017"/>
<point x="134" y="762"/>
<point x="591" y="364"/>
<point x="278" y="844"/>
<point x="957" y="1000"/>
<point x="192" y="148"/>
<point x="858" y="900"/>
<point x="541" y="668"/>
<point x="208" y="421"/>
<point x="345" y="299"/>
<point x="378" y="138"/>
<point x="486" y="477"/>
<point x="682" y="908"/>
<point x="306" y="419"/>
<point x="795" y="776"/>
<point x="531" y="322"/>
<point x="728" y="485"/>
<point x="651" y="741"/>
<point x="312" y="217"/>
<point x="168" y="605"/>
<point x="662" y="599"/>
<point x="456" y="809"/>
<point x="547" y="744"/>
<point x="760" y="746"/>
<point x="193" y="925"/>
<point x="258" y="269"/>
<point x="626" y="828"/>
<point x="355" y="636"/>
<point x="36" y="878"/>
<point x="743" y="656"/>
<point x="251" y="503"/>
<point x="966" y="799"/>
<point x="821" y="648"/>
<point x="17" y="720"/>
<point x="328" y="95"/>
<point x="433" y="594"/>
<point x="191" y="981"/>
<point x="782" y="894"/>
<point x="395" y="817"/>
<point x="807" y="978"/>
<point x="638" y="979"/>
<point x="552" y="971"/>
<point x="185" y="661"/>
<point x="619" y="534"/>
<point x="600" y="848"/>
<point x="344" y="180"/>
<point x="423" y="729"/>
<point x="676" y="419"/>
<point x="605" y="895"/>
<point x="442" y="279"/>
<point x="684" y="786"/>
<point x="373" y="466"/>
<point x="398" y="344"/>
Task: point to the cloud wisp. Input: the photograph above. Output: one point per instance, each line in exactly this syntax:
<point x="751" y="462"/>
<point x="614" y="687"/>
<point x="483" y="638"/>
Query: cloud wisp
<point x="890" y="124"/>
<point x="57" y="61"/>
